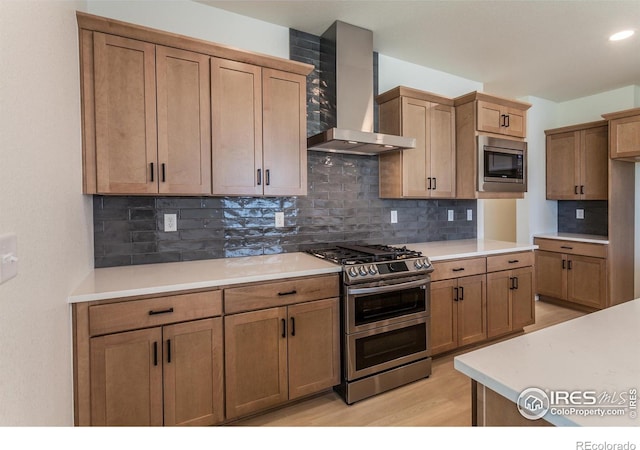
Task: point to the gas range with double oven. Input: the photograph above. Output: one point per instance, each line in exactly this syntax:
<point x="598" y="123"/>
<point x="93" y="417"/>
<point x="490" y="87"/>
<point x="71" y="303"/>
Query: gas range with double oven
<point x="385" y="317"/>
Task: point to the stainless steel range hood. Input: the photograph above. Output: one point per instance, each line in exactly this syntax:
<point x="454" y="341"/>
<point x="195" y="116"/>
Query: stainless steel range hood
<point x="354" y="97"/>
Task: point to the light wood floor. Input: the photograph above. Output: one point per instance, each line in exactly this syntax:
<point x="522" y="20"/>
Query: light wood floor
<point x="443" y="399"/>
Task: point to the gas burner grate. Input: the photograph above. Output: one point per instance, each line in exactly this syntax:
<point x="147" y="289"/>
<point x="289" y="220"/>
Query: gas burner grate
<point x="363" y="254"/>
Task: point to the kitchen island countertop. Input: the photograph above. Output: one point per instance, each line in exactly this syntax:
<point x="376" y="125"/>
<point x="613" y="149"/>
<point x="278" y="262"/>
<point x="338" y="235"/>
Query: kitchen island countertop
<point x="595" y="352"/>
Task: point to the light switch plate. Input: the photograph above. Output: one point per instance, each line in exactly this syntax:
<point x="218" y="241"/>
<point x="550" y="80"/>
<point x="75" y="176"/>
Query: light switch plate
<point x="394" y="216"/>
<point x="579" y="213"/>
<point x="8" y="257"/>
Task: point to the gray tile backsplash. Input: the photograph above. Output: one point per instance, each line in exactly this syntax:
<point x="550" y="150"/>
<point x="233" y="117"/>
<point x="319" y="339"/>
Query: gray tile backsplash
<point x="595" y="217"/>
<point x="342" y="205"/>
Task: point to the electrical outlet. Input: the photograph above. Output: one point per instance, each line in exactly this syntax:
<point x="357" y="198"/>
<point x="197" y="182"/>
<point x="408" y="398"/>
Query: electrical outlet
<point x="394" y="216"/>
<point x="279" y="219"/>
<point x="450" y="215"/>
<point x="469" y="214"/>
<point x="170" y="222"/>
<point x="579" y="213"/>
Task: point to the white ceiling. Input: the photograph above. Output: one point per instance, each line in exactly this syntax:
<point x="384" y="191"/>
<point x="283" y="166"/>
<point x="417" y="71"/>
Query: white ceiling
<point x="557" y="50"/>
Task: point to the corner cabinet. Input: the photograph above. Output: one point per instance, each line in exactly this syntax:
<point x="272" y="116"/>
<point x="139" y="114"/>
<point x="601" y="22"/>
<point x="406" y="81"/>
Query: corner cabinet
<point x="282" y="342"/>
<point x="478" y="114"/>
<point x="577" y="162"/>
<point x="150" y="361"/>
<point x="572" y="272"/>
<point x="171" y="115"/>
<point x="429" y="170"/>
<point x="624" y="134"/>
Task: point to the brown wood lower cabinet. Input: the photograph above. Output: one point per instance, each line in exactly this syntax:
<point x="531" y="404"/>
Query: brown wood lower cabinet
<point x="572" y="272"/>
<point x="279" y="354"/>
<point x="510" y="304"/>
<point x="167" y="375"/>
<point x="458" y="308"/>
<point x="149" y="361"/>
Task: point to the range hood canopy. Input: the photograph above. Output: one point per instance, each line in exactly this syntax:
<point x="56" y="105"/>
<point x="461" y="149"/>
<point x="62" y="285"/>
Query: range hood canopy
<point x="353" y="133"/>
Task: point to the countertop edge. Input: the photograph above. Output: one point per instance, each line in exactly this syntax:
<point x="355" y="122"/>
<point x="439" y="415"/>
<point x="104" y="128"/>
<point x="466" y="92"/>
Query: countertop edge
<point x="480" y="253"/>
<point x="589" y="239"/>
<point x="164" y="289"/>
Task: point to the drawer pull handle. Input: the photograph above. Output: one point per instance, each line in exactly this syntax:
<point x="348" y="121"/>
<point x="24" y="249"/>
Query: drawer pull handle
<point x="567" y="247"/>
<point x="459" y="269"/>
<point x="281" y="294"/>
<point x="513" y="261"/>
<point x="162" y="311"/>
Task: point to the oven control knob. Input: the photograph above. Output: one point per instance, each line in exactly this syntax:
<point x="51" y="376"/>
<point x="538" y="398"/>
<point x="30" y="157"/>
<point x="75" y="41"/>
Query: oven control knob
<point x="363" y="271"/>
<point x="418" y="264"/>
<point x="353" y="272"/>
<point x="373" y="270"/>
<point x="426" y="263"/>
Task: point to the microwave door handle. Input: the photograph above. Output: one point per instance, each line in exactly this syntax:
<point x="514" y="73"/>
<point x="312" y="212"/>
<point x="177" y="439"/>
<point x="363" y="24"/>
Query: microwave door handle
<point x="381" y="289"/>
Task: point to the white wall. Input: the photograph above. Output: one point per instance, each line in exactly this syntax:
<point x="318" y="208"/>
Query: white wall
<point x="591" y="108"/>
<point x="199" y="21"/>
<point x="41" y="201"/>
<point x="394" y="72"/>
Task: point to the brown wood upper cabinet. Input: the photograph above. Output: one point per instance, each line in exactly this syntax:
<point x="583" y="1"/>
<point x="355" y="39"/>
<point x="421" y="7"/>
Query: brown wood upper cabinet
<point x="147" y="102"/>
<point x="429" y="170"/>
<point x="477" y="114"/>
<point x="624" y="134"/>
<point x="151" y="110"/>
<point x="577" y="162"/>
<point x="259" y="130"/>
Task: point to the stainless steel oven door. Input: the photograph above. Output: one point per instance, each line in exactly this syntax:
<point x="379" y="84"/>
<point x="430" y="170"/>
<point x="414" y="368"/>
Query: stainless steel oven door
<point x="375" y="306"/>
<point x="373" y="351"/>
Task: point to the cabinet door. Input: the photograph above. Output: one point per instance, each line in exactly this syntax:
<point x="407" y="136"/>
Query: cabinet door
<point x="442" y="156"/>
<point x="415" y="120"/>
<point x="550" y="274"/>
<point x="499" y="306"/>
<point x="594" y="164"/>
<point x="313" y="347"/>
<point x="489" y="117"/>
<point x="563" y="169"/>
<point x="284" y="133"/>
<point x="193" y="378"/>
<point x="126" y="378"/>
<point x="624" y="137"/>
<point x="236" y="113"/>
<point x="444" y="325"/>
<point x="255" y="360"/>
<point x="184" y="124"/>
<point x="587" y="281"/>
<point x="125" y="114"/>
<point x="522" y="301"/>
<point x="516" y="122"/>
<point x="472" y="307"/>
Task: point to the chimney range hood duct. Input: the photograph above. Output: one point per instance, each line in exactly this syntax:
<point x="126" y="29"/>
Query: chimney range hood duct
<point x="354" y="97"/>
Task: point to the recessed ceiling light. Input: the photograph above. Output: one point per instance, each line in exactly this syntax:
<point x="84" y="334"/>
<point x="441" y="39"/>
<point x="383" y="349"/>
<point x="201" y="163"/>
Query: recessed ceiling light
<point x="621" y="35"/>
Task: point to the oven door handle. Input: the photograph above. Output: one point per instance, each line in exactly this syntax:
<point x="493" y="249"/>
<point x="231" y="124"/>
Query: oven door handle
<point x="393" y="287"/>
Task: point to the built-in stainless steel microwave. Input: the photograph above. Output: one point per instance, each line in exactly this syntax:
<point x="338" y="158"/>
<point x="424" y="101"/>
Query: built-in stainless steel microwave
<point x="502" y="165"/>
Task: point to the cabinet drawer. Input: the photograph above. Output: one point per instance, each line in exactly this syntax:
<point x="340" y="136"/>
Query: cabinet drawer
<point x="134" y="314"/>
<point x="280" y="293"/>
<point x="509" y="261"/>
<point x="572" y="247"/>
<point x="458" y="268"/>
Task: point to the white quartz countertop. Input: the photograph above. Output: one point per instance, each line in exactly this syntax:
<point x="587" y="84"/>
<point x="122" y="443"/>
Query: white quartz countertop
<point x="465" y="248"/>
<point x="590" y="238"/>
<point x="128" y="281"/>
<point x="596" y="352"/>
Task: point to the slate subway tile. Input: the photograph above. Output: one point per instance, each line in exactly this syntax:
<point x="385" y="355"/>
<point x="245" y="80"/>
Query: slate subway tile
<point x="178" y="202"/>
<point x="154" y="258"/>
